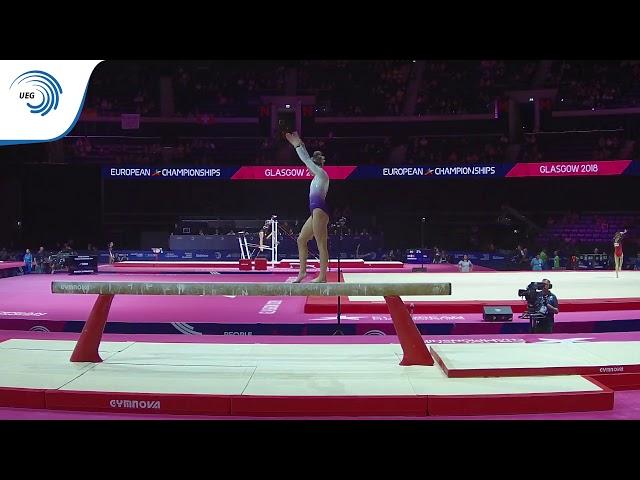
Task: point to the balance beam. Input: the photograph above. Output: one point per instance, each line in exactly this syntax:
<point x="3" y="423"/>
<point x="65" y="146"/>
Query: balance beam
<point x="414" y="349"/>
<point x="252" y="289"/>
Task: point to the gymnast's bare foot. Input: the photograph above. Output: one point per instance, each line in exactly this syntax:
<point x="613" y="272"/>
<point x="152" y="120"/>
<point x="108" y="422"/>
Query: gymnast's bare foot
<point x="301" y="276"/>
<point x="319" y="280"/>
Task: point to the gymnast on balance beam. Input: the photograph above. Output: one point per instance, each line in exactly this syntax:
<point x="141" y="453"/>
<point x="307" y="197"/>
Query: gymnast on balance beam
<point x="316" y="224"/>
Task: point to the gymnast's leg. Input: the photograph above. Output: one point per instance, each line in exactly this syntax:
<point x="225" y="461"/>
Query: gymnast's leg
<point x="306" y="234"/>
<point x="320" y="222"/>
<point x="618" y="263"/>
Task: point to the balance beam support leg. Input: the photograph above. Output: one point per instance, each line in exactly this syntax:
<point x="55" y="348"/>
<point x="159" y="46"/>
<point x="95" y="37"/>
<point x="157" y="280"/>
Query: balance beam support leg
<point x="87" y="347"/>
<point x="413" y="347"/>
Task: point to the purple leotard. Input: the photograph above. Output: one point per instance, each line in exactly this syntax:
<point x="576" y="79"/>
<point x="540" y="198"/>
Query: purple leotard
<point x="320" y="183"/>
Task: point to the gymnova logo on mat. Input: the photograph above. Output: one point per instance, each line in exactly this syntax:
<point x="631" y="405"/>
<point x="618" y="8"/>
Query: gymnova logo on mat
<point x="141" y="404"/>
<point x="611" y="369"/>
<point x="41" y="100"/>
<point x="37" y="85"/>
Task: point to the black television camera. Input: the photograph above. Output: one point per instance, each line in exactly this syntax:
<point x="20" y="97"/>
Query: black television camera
<point x="536" y="304"/>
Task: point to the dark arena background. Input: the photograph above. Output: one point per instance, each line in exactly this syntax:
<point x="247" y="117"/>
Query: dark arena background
<point x="169" y="215"/>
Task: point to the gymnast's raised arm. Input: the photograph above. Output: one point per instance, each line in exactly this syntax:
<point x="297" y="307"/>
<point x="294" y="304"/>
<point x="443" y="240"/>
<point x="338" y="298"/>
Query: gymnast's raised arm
<point x="295" y="140"/>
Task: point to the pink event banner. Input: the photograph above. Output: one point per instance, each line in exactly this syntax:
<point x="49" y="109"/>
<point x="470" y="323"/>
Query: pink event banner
<point x="569" y="169"/>
<point x="289" y="173"/>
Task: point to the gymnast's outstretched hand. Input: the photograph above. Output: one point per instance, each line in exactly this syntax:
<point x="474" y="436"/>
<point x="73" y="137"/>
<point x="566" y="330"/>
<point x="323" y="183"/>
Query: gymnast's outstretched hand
<point x="293" y="138"/>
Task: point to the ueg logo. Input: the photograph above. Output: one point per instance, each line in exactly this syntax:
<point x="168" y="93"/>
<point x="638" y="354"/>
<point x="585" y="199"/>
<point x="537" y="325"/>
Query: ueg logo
<point x="38" y="85"/>
<point x="142" y="404"/>
<point x="41" y="100"/>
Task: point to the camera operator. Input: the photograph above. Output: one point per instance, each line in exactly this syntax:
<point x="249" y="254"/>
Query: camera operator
<point x="549" y="307"/>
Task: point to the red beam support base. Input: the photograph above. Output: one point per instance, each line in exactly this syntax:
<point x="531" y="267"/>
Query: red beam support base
<point x="413" y="346"/>
<point x="87" y="347"/>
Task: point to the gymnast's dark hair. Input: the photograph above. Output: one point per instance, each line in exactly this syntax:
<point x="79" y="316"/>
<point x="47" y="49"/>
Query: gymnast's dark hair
<point x="318" y="158"/>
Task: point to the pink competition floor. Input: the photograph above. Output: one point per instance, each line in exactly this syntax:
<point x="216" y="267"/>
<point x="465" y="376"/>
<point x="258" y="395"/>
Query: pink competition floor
<point x="207" y="267"/>
<point x="33" y="294"/>
<point x="26" y="302"/>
